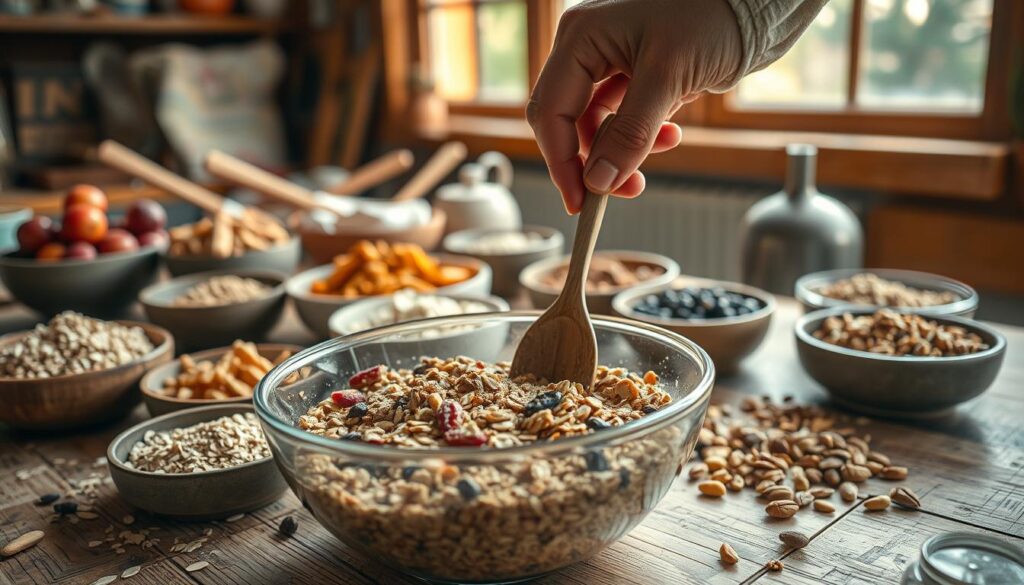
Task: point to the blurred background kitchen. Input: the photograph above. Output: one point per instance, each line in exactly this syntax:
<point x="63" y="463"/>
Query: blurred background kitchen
<point x="915" y="107"/>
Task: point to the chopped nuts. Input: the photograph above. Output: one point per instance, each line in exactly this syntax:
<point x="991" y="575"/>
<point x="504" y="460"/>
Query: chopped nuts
<point x="905" y="497"/>
<point x="774" y="565"/>
<point x="727" y="554"/>
<point x="888" y="332"/>
<point x="877" y="503"/>
<point x="870" y="289"/>
<point x="232" y="376"/>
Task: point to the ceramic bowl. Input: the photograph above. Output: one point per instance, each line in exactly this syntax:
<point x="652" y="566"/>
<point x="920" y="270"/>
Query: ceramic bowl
<point x="158" y="403"/>
<point x="316" y="310"/>
<point x="728" y="340"/>
<point x="542" y="295"/>
<point x="898" y="385"/>
<point x="11" y="219"/>
<point x="507" y="267"/>
<point x="806" y="288"/>
<point x="205" y="495"/>
<point x="104" y="287"/>
<point x="283" y="258"/>
<point x="204" y="327"/>
<point x="322" y="247"/>
<point x="77" y="400"/>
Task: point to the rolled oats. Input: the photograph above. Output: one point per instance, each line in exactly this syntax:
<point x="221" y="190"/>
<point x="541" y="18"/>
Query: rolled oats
<point x="217" y="444"/>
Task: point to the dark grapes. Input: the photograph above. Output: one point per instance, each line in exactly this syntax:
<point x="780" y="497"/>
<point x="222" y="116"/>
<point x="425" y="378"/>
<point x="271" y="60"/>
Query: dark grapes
<point x="697" y="303"/>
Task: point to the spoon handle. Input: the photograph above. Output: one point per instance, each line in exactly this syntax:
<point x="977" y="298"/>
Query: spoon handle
<point x="588" y="226"/>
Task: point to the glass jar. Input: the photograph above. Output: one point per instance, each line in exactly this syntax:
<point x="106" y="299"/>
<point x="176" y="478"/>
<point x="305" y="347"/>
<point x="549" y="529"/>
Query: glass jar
<point x="966" y="558"/>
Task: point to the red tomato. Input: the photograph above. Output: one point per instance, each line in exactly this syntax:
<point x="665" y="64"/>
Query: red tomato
<point x="84" y="223"/>
<point x="118" y="240"/>
<point x="86" y="195"/>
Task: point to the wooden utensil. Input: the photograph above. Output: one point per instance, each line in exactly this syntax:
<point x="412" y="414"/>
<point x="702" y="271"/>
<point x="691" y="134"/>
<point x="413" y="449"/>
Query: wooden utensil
<point x="561" y="344"/>
<point x="127" y="160"/>
<point x="375" y="172"/>
<point x="235" y="170"/>
<point x="443" y="162"/>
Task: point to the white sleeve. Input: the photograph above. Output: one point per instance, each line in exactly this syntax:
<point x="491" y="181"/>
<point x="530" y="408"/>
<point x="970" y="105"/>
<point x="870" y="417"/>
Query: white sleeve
<point x="768" y="29"/>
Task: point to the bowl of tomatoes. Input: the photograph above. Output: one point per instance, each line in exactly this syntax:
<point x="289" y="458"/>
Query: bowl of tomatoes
<point x="84" y="261"/>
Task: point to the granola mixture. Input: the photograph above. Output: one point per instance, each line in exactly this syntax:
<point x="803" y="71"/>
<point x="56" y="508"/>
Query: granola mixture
<point x="890" y="333"/>
<point x="485" y="522"/>
<point x="871" y="289"/>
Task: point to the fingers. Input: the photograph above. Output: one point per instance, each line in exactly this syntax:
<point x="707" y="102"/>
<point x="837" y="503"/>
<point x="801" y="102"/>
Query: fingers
<point x="606" y="99"/>
<point x="630" y="137"/>
<point x="633" y="186"/>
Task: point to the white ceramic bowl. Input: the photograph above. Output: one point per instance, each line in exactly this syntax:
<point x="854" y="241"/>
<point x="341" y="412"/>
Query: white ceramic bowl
<point x="507" y="267"/>
<point x="342" y="321"/>
<point x="315" y="310"/>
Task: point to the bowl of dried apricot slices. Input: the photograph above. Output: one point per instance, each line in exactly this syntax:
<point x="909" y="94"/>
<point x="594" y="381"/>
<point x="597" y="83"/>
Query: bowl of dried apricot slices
<point x="450" y="470"/>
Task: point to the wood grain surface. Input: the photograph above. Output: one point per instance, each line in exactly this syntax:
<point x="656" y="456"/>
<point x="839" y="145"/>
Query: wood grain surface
<point x="965" y="466"/>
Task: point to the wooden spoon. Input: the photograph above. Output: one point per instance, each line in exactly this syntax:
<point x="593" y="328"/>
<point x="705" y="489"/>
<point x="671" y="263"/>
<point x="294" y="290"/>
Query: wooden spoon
<point x="234" y="170"/>
<point x="375" y="172"/>
<point x="561" y="344"/>
<point x="443" y="162"/>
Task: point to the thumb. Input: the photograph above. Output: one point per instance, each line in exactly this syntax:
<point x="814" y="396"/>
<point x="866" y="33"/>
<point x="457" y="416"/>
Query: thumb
<point x="628" y="138"/>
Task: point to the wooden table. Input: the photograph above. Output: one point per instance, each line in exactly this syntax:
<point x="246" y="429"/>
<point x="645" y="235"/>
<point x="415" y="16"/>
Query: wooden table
<point x="966" y="467"/>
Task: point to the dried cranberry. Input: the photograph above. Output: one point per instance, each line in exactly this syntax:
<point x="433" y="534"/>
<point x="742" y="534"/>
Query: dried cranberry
<point x="448" y="415"/>
<point x="346" y="398"/>
<point x="464" y="438"/>
<point x="366" y="377"/>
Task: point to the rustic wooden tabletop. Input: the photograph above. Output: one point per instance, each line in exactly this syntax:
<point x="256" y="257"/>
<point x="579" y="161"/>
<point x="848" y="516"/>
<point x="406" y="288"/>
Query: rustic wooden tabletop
<point x="966" y="467"/>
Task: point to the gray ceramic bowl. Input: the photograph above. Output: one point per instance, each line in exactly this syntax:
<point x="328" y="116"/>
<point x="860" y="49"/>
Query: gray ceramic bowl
<point x="207" y="495"/>
<point x="507" y="267"/>
<point x="315" y="310"/>
<point x="105" y="287"/>
<point x="806" y="288"/>
<point x="204" y="327"/>
<point x="158" y="403"/>
<point x="898" y="385"/>
<point x="727" y="340"/>
<point x="542" y="295"/>
<point x="283" y="258"/>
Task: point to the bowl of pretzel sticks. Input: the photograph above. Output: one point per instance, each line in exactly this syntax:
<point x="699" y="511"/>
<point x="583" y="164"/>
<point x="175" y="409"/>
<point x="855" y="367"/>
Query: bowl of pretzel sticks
<point x="250" y="241"/>
<point x="226" y="375"/>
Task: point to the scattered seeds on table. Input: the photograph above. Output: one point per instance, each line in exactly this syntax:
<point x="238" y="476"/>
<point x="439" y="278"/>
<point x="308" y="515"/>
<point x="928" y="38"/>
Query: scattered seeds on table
<point x="712" y="488"/>
<point x="793" y="539"/>
<point x="105" y="580"/>
<point x="128" y="520"/>
<point x="782" y="508"/>
<point x="84" y="515"/>
<point x="774" y="565"/>
<point x="234" y="518"/>
<point x="95" y="543"/>
<point x="47" y="499"/>
<point x="848" y="491"/>
<point x="821" y="491"/>
<point x="905" y="497"/>
<point x="63" y="508"/>
<point x="27" y="540"/>
<point x="824" y="506"/>
<point x="131" y="571"/>
<point x="728" y="554"/>
<point x="698" y="470"/>
<point x="894" y="473"/>
<point x="877" y="503"/>
<point x="288" y="526"/>
<point x="803" y="499"/>
<point x="197" y="566"/>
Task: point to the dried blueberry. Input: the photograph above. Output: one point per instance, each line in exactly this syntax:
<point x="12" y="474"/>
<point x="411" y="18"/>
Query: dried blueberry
<point x="420" y="370"/>
<point x="358" y="410"/>
<point x="468" y="488"/>
<point x="597" y="424"/>
<point x="596" y="461"/>
<point x="47" y="499"/>
<point x="648" y="409"/>
<point x="544" y="401"/>
<point x="623" y="478"/>
<point x="408" y="471"/>
<point x="351" y="436"/>
<point x="288" y="526"/>
<point x="65" y="507"/>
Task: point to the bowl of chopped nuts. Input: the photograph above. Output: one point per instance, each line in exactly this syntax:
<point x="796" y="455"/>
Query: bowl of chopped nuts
<point x="879" y="287"/>
<point x="894" y="362"/>
<point x="508" y="252"/>
<point x="76" y="371"/>
<point x="211" y="309"/>
<point x="263" y="245"/>
<point x="450" y="470"/>
<point x="204" y="463"/>
<point x="225" y="375"/>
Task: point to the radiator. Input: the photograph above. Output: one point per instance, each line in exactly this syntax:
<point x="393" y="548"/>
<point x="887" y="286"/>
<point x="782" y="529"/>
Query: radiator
<point x="695" y="223"/>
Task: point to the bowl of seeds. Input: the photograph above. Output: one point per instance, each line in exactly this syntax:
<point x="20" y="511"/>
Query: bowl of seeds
<point x="211" y="309"/>
<point x="75" y="371"/>
<point x="878" y="287"/>
<point x="451" y="470"/>
<point x="225" y="375"/>
<point x="205" y="463"/>
<point x="898" y="363"/>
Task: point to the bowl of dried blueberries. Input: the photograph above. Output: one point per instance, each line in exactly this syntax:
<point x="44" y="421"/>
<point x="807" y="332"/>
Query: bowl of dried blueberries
<point x="447" y="469"/>
<point x="898" y="363"/>
<point x="729" y="320"/>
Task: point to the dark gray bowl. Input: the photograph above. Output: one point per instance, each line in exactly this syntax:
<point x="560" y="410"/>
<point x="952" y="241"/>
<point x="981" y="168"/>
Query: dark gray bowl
<point x="896" y="385"/>
<point x="104" y="287"/>
<point x="283" y="258"/>
<point x="196" y="328"/>
<point x="206" y="495"/>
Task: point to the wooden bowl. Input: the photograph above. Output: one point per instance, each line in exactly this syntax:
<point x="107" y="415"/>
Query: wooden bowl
<point x="159" y="403"/>
<point x="322" y="247"/>
<point x="77" y="400"/>
<point x="727" y="340"/>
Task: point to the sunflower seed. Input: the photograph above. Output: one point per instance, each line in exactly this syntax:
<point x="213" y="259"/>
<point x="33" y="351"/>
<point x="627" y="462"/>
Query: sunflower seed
<point x="27" y="540"/>
<point x="793" y="539"/>
<point x="197" y="566"/>
<point x="876" y="503"/>
<point x="727" y="554"/>
<point x="905" y="497"/>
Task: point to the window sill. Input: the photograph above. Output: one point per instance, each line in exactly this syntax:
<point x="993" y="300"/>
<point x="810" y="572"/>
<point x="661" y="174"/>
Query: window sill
<point x="952" y="169"/>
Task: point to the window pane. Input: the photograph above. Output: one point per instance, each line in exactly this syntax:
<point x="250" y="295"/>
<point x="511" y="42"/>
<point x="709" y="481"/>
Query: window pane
<point x="452" y="40"/>
<point x="813" y="73"/>
<point x="503" y="70"/>
<point x="567" y="4"/>
<point x="925" y="54"/>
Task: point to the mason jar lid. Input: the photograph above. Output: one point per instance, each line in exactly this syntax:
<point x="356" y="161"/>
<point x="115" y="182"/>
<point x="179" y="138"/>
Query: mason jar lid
<point x="957" y="558"/>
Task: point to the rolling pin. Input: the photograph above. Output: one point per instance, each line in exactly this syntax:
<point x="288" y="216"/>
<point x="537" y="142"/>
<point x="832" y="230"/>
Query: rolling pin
<point x="375" y="172"/>
<point x="242" y="173"/>
<point x="443" y="162"/>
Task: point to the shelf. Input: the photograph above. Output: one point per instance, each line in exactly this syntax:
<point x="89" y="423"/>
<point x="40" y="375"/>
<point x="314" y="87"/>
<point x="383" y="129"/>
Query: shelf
<point x="155" y="24"/>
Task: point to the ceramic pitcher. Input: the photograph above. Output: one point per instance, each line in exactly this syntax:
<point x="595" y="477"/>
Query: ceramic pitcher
<point x="475" y="202"/>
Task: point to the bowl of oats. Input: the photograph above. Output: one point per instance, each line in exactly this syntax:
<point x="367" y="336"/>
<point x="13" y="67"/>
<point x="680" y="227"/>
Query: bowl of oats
<point x="883" y="287"/>
<point x="894" y="362"/>
<point x="447" y="468"/>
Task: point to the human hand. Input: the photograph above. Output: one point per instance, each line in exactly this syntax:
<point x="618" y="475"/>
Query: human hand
<point x="639" y="59"/>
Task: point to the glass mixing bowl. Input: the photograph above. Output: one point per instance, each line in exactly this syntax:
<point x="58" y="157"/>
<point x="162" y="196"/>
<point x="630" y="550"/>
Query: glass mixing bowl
<point x="543" y="505"/>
